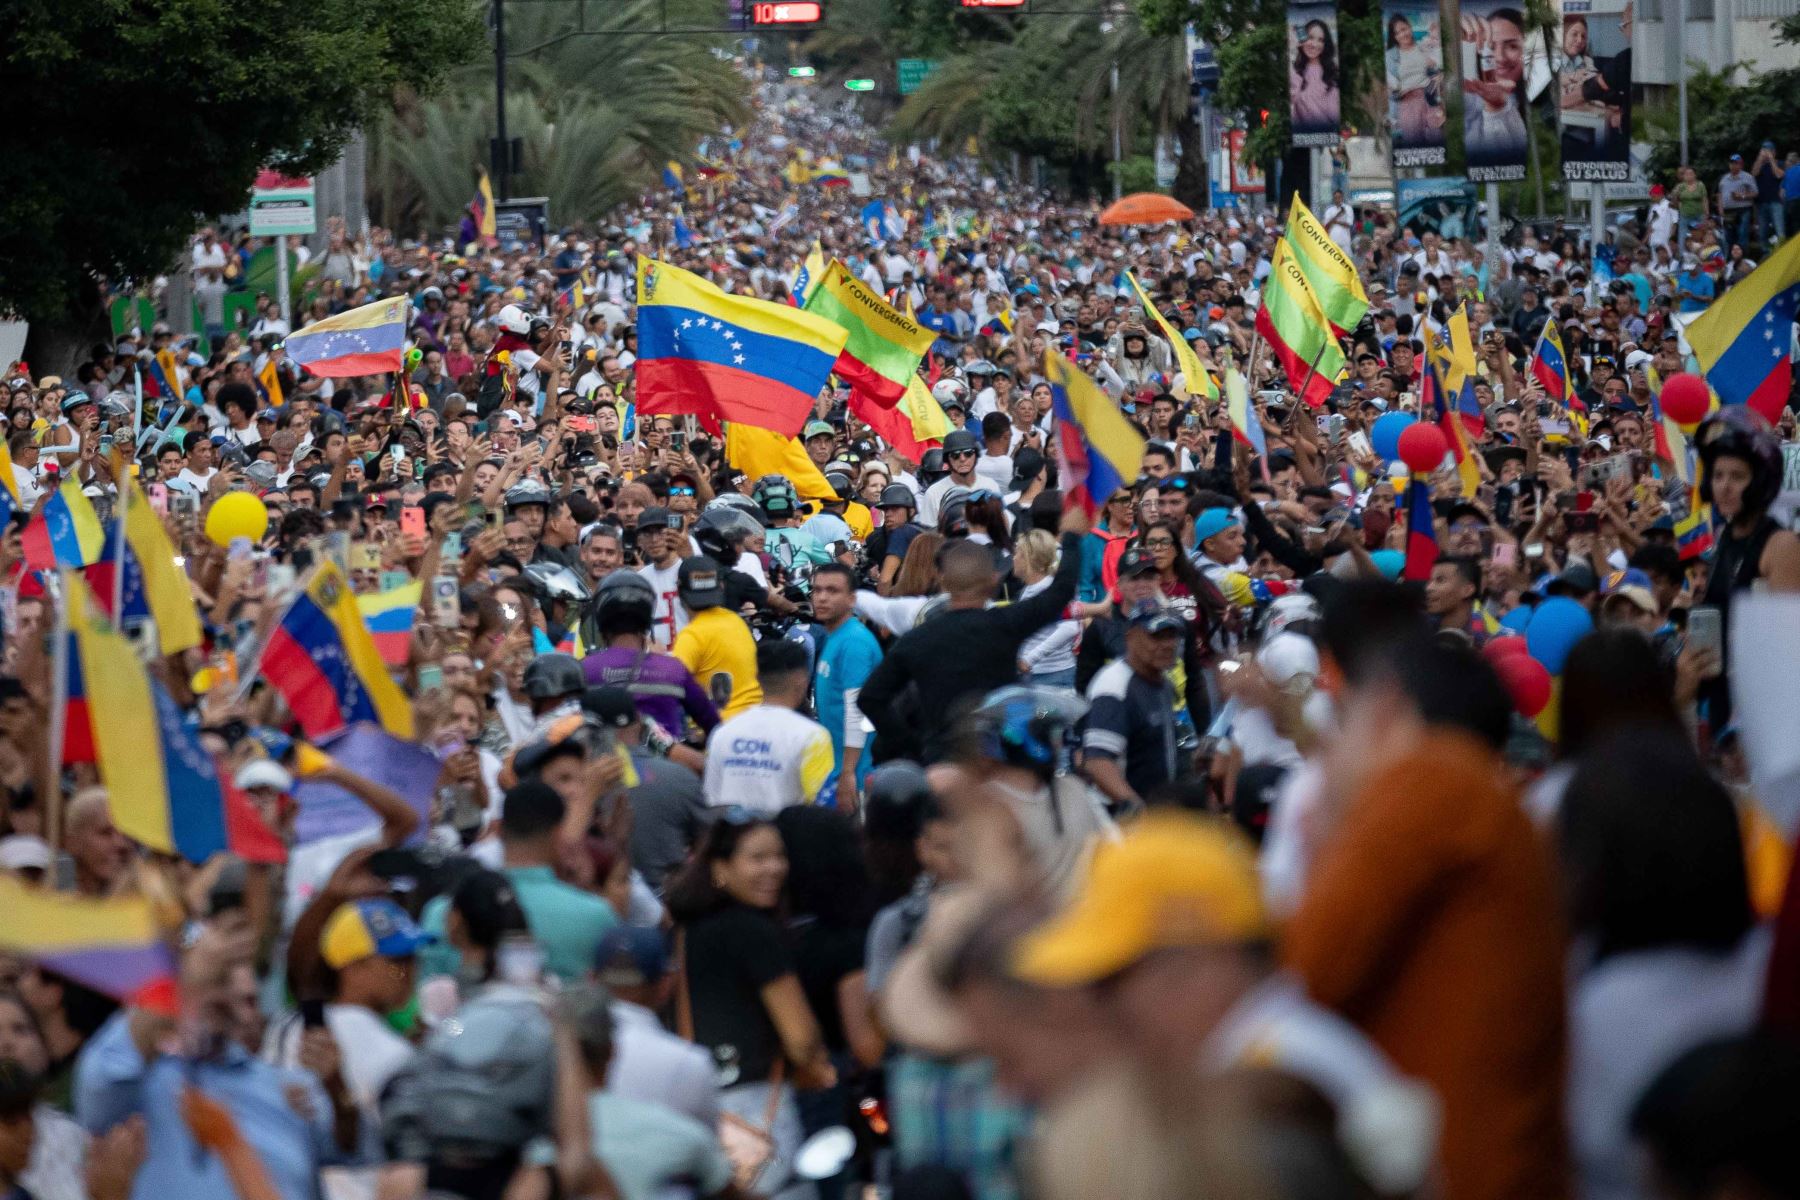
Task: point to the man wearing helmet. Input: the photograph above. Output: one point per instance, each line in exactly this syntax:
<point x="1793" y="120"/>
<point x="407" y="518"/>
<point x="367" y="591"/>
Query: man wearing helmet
<point x="1741" y="465"/>
<point x="661" y="542"/>
<point x="788" y="543"/>
<point x="715" y="644"/>
<point x="619" y="622"/>
<point x="889" y="544"/>
<point x="962" y="452"/>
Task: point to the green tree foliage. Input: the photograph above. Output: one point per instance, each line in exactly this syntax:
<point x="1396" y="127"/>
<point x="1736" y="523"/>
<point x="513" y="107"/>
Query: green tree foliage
<point x="600" y="113"/>
<point x="124" y="121"/>
<point x="1726" y="118"/>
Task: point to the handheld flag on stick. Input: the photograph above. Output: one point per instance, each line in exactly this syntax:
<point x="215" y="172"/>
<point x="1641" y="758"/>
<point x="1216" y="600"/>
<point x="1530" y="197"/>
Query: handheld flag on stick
<point x="64" y="532"/>
<point x="1744" y="340"/>
<point x="268" y="381"/>
<point x="1328" y="270"/>
<point x="481" y="210"/>
<point x="1245" y="424"/>
<point x="153" y="586"/>
<point x="1099" y="451"/>
<point x="1194" y="374"/>
<point x="727" y="358"/>
<point x="1421" y="530"/>
<point x="324" y="663"/>
<point x="1459" y="380"/>
<point x="370" y="340"/>
<point x="1550" y="367"/>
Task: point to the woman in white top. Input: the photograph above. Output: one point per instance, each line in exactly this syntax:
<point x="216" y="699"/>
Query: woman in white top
<point x="1047" y="659"/>
<point x="1412" y="68"/>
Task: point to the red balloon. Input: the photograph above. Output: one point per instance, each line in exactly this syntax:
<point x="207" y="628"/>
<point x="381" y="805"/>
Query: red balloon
<point x="1685" y="399"/>
<point x="1503" y="647"/>
<point x="1527" y="681"/>
<point x="1422" y="448"/>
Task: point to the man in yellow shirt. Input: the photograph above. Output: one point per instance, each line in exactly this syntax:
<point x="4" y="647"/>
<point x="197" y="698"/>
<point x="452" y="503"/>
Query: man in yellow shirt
<point x="715" y="645"/>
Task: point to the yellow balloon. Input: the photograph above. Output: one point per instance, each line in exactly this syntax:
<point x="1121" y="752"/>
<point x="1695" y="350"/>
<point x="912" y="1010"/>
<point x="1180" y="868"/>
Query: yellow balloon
<point x="237" y="515"/>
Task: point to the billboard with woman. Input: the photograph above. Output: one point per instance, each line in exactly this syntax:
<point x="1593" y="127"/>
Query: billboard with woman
<point x="1492" y="35"/>
<point x="1415" y="82"/>
<point x="1313" y="98"/>
<point x="1594" y="89"/>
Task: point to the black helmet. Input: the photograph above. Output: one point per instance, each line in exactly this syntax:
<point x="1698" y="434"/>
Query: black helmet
<point x="551" y="676"/>
<point x="556" y="582"/>
<point x="528" y="492"/>
<point x="840" y="484"/>
<point x="721" y="531"/>
<point x="896" y="495"/>
<point x="1738" y="431"/>
<point x="960" y="441"/>
<point x="893" y="796"/>
<point x="625" y="592"/>
<point x="1025" y="726"/>
<point x="700" y="583"/>
<point x="931" y="467"/>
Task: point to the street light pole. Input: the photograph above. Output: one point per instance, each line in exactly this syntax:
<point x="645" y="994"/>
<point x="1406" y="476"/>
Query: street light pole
<point x="1118" y="156"/>
<point x="502" y="154"/>
<point x="1681" y="74"/>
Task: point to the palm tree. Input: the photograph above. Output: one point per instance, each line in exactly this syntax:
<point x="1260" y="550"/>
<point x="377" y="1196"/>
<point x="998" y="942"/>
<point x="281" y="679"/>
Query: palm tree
<point x="599" y="114"/>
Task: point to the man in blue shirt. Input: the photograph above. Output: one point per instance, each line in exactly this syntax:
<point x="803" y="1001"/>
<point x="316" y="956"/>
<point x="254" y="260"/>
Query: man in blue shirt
<point x="1695" y="289"/>
<point x="848" y="653"/>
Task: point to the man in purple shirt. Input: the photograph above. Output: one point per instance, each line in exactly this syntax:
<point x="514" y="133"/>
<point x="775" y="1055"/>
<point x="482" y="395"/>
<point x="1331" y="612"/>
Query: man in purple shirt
<point x="665" y="691"/>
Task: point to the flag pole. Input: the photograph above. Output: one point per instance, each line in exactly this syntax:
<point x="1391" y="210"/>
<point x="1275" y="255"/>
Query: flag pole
<point x="1311" y="371"/>
<point x="122" y="485"/>
<point x="59" y="704"/>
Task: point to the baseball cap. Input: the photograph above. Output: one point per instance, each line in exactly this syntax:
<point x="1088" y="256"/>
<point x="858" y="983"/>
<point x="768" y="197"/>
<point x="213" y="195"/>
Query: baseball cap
<point x="367" y="928"/>
<point x="816" y="429"/>
<point x="1154" y="619"/>
<point x="1290" y="662"/>
<point x="1173" y="880"/>
<point x="701" y="582"/>
<point x="264" y="772"/>
<point x="1737" y="158"/>
<point x="1136" y="561"/>
<point x="631" y="956"/>
<point x="1576" y="579"/>
<point x="24" y="852"/>
<point x="658" y="517"/>
<point x="1630" y="584"/>
<point x="1212" y="521"/>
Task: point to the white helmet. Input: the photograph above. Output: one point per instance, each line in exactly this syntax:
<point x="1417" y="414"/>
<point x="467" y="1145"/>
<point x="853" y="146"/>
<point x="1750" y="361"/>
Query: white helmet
<point x="950" y="391"/>
<point x="513" y="320"/>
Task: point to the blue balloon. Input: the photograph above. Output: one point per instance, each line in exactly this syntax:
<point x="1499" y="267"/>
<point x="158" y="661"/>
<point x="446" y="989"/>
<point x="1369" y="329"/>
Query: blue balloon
<point x="1517" y="619"/>
<point x="1389" y="562"/>
<point x="1556" y="625"/>
<point x="1384" y="435"/>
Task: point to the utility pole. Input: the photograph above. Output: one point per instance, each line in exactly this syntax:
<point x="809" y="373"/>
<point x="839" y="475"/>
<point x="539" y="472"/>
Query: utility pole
<point x="1681" y="74"/>
<point x="1118" y="150"/>
<point x="502" y="152"/>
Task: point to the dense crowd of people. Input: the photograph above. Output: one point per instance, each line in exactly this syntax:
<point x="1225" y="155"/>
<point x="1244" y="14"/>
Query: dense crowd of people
<point x="920" y="830"/>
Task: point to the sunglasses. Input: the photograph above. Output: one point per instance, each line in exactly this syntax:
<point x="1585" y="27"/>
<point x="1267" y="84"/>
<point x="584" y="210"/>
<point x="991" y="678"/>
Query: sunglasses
<point x="681" y="491"/>
<point x="960" y="454"/>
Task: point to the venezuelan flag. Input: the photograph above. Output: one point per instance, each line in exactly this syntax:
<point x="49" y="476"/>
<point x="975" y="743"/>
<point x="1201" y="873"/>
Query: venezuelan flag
<point x="810" y="272"/>
<point x="1461" y="376"/>
<point x="325" y="665"/>
<point x="389" y="616"/>
<point x="1550" y="367"/>
<point x="111" y="945"/>
<point x="165" y="373"/>
<point x="9" y="485"/>
<point x="1693" y="533"/>
<point x="1437" y="405"/>
<point x="64" y="532"/>
<point x="1000" y="322"/>
<point x="1744" y="340"/>
<point x="163" y="789"/>
<point x="1244" y="423"/>
<point x="830" y="176"/>
<point x="153" y="586"/>
<point x="1099" y="450"/>
<point x="78" y="723"/>
<point x="727" y="358"/>
<point x="1421" y="531"/>
<point x="481" y="209"/>
<point x="364" y="341"/>
<point x="672" y="176"/>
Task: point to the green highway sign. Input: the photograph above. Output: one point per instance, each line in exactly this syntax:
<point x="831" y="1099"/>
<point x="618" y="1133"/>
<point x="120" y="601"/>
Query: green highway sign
<point x="859" y="85"/>
<point x="801" y="72"/>
<point x="913" y="72"/>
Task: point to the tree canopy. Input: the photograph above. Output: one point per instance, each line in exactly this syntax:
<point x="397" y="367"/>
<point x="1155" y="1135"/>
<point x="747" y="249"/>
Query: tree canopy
<point x="126" y="122"/>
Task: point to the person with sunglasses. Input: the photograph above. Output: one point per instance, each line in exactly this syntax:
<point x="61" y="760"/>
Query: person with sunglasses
<point x="962" y="453"/>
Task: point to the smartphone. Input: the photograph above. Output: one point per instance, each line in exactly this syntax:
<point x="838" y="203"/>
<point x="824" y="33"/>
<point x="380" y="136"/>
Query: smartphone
<point x="578" y="423"/>
<point x="412" y="521"/>
<point x="452" y="550"/>
<point x="1505" y="555"/>
<point x="183" y="503"/>
<point x="106" y="443"/>
<point x="431" y="677"/>
<point x="1359" y="442"/>
<point x="677" y="440"/>
<point x="239" y="549"/>
<point x="1583" y="522"/>
<point x="396" y="452"/>
<point x="1706" y="631"/>
<point x="1334" y="427"/>
<point x="159" y="499"/>
<point x="492" y="517"/>
<point x="312" y="1014"/>
<point x="1554" y="428"/>
<point x="446" y="602"/>
<point x="280" y="581"/>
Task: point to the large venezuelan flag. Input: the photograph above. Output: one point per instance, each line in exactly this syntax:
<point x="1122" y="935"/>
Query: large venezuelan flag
<point x="370" y="340"/>
<point x="1099" y="450"/>
<point x="111" y="945"/>
<point x="324" y="663"/>
<point x="1550" y="366"/>
<point x="162" y="788"/>
<point x="727" y="358"/>
<point x="64" y="532"/>
<point x="1744" y="341"/>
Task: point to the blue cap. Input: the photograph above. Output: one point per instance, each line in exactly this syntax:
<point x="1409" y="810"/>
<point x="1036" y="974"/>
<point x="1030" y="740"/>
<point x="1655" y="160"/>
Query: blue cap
<point x="369" y="928"/>
<point x="631" y="956"/>
<point x="1154" y="619"/>
<point x="1212" y="521"/>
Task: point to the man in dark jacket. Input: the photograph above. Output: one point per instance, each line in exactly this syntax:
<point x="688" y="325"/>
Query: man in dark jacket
<point x="969" y="649"/>
<point x="1104" y="638"/>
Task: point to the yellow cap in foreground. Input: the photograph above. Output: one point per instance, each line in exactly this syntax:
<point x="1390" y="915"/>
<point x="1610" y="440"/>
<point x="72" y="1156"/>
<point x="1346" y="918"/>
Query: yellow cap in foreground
<point x="1173" y="880"/>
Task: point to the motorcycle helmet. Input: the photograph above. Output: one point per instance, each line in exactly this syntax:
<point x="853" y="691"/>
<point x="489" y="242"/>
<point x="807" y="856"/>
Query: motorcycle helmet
<point x="931" y="467"/>
<point x="556" y="582"/>
<point x="1025" y="726"/>
<point x="1737" y="431"/>
<point x="895" y="495"/>
<point x="625" y="599"/>
<point x="552" y="676"/>
<point x="776" y="496"/>
<point x="529" y="491"/>
<point x="893" y="797"/>
<point x="512" y="319"/>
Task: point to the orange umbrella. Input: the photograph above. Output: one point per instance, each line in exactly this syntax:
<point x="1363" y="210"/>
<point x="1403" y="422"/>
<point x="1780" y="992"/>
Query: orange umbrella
<point x="1145" y="208"/>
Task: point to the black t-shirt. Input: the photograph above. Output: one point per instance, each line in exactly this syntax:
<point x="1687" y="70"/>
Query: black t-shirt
<point x="732" y="954"/>
<point x="825" y="954"/>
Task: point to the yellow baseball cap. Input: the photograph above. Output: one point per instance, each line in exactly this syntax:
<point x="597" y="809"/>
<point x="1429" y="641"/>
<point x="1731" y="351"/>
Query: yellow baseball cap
<point x="1173" y="880"/>
<point x="366" y="928"/>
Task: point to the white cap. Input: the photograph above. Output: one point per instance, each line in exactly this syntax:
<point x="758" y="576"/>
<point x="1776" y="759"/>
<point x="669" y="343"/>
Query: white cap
<point x="25" y="852"/>
<point x="1289" y="661"/>
<point x="264" y="772"/>
<point x="1638" y="358"/>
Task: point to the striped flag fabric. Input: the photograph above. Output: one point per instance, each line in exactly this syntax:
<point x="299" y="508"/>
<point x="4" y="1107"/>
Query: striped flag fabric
<point x="1099" y="450"/>
<point x="389" y="616"/>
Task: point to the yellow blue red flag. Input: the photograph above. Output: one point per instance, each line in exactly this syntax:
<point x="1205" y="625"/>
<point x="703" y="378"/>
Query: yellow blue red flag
<point x="1099" y="450"/>
<point x="1744" y="340"/>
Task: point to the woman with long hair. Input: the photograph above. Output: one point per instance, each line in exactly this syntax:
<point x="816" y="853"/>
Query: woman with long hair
<point x="1183" y="587"/>
<point x="1313" y="79"/>
<point x="58" y="1144"/>
<point x="918" y="574"/>
<point x="1412" y="70"/>
<point x="742" y="997"/>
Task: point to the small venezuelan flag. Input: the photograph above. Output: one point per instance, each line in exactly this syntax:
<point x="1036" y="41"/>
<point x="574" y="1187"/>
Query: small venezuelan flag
<point x="64" y="532"/>
<point x="111" y="945"/>
<point x="390" y="617"/>
<point x="325" y="665"/>
<point x="1099" y="450"/>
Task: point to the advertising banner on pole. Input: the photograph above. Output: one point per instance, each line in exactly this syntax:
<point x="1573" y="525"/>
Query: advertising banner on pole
<point x="1593" y="89"/>
<point x="1493" y="70"/>
<point x="1313" y="97"/>
<point x="1415" y="82"/>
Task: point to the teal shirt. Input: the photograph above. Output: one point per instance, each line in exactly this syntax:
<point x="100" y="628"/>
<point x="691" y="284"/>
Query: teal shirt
<point x="566" y="921"/>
